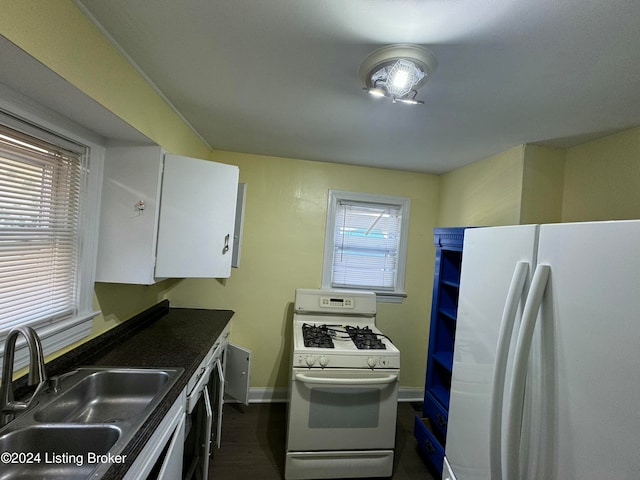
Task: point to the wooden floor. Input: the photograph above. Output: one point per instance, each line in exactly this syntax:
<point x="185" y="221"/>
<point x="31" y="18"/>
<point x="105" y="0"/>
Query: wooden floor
<point x="254" y="438"/>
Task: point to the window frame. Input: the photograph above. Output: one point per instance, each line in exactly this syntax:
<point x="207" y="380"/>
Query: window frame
<point x="25" y="115"/>
<point x="404" y="203"/>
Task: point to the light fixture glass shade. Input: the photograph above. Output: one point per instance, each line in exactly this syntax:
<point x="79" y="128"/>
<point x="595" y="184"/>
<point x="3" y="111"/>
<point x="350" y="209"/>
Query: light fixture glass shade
<point x="397" y="71"/>
<point x="403" y="76"/>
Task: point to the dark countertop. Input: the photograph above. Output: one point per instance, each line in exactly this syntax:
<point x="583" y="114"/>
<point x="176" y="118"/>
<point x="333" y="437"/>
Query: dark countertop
<point x="160" y="337"/>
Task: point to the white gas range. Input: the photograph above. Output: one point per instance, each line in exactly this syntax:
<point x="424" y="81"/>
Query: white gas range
<point x="344" y="388"/>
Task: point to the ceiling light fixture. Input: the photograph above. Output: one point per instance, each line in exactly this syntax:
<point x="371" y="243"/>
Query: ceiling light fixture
<point x="397" y="72"/>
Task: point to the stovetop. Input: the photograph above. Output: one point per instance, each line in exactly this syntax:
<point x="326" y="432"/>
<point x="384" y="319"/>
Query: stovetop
<point x="365" y="339"/>
<point x="322" y="336"/>
<point x="334" y="329"/>
<point x="317" y="336"/>
<point x="331" y="345"/>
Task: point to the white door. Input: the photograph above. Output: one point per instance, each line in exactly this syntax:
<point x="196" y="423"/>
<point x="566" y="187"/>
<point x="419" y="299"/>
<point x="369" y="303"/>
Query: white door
<point x="588" y="423"/>
<point x="494" y="260"/>
<point x="197" y="216"/>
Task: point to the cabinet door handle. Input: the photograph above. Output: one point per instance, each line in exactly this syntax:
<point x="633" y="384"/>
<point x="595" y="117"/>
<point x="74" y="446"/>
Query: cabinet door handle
<point x="441" y="420"/>
<point x="225" y="249"/>
<point x="429" y="447"/>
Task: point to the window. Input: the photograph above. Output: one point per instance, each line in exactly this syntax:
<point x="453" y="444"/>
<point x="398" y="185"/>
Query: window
<point x="40" y="187"/>
<point x="47" y="234"/>
<point x="366" y="243"/>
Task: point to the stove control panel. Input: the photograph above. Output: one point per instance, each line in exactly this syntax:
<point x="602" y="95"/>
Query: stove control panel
<point x="348" y="302"/>
<point x="337" y="302"/>
<point x="345" y="361"/>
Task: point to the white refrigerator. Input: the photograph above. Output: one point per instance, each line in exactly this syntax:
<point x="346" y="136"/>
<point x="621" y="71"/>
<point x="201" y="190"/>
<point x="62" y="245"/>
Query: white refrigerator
<point x="546" y="371"/>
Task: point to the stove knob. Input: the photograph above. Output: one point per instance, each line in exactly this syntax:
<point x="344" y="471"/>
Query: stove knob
<point x="310" y="360"/>
<point x="371" y="362"/>
<point x="323" y="361"/>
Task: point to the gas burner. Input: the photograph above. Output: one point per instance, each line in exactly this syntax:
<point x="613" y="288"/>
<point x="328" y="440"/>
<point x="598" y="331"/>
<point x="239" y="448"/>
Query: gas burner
<point x="316" y="336"/>
<point x="364" y="338"/>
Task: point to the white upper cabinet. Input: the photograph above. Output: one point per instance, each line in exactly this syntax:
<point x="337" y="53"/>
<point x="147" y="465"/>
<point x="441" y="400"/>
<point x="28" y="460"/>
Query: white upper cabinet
<point x="165" y="216"/>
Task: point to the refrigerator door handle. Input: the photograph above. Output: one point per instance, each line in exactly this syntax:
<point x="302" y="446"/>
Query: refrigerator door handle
<point x="520" y="361"/>
<point x="514" y="295"/>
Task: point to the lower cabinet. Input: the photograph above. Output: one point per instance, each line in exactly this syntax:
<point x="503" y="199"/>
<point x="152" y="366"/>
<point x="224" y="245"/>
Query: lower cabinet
<point x="182" y="444"/>
<point x="162" y="455"/>
<point x="216" y="375"/>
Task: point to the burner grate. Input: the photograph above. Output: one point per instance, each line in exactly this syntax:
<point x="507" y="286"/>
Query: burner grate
<point x="364" y="338"/>
<point x="316" y="336"/>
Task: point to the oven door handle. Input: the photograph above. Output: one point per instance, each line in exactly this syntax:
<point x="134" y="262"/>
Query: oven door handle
<point x="346" y="381"/>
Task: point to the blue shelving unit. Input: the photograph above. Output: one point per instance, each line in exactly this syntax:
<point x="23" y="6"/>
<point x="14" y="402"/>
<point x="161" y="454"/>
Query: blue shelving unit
<point x="430" y="428"/>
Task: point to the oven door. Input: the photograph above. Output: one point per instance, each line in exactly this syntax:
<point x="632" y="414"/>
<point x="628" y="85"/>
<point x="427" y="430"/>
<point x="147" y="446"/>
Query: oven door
<point x="342" y="409"/>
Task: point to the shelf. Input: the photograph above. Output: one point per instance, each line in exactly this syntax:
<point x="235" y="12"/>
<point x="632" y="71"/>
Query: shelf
<point x="451" y="283"/>
<point x="449" y="313"/>
<point x="440" y="393"/>
<point x="445" y="360"/>
<point x="450" y="262"/>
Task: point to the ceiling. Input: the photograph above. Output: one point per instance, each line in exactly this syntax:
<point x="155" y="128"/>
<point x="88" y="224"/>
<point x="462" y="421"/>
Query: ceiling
<point x="280" y="77"/>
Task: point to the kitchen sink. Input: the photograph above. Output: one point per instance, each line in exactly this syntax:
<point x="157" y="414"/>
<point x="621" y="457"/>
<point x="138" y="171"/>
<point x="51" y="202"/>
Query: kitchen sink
<point x="85" y="413"/>
<point x="106" y="396"/>
<point x="46" y="451"/>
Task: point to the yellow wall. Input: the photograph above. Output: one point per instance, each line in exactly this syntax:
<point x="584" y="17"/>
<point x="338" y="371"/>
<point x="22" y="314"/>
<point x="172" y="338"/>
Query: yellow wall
<point x="597" y="180"/>
<point x="602" y="179"/>
<point x="57" y="34"/>
<point x="487" y="192"/>
<point x="542" y="185"/>
<point x="283" y="249"/>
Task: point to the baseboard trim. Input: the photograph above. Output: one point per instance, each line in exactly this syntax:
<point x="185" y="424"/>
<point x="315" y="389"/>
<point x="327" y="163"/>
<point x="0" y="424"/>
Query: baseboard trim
<point x="410" y="394"/>
<point x="268" y="395"/>
<point x="280" y="395"/>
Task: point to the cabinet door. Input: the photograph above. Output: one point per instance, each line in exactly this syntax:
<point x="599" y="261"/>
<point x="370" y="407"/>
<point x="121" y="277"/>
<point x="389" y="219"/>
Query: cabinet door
<point x="239" y="224"/>
<point x="197" y="215"/>
<point x="129" y="215"/>
<point x="237" y="373"/>
<point x="172" y="463"/>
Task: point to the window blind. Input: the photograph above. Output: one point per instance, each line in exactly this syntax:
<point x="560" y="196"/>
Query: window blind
<point x="40" y="190"/>
<point x="366" y="245"/>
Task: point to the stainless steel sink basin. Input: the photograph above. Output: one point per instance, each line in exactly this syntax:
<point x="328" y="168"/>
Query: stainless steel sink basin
<point x="56" y="451"/>
<point x="94" y="411"/>
<point x="106" y="396"/>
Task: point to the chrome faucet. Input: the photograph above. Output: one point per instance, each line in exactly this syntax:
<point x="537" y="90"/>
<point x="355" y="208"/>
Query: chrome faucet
<point x="37" y="374"/>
